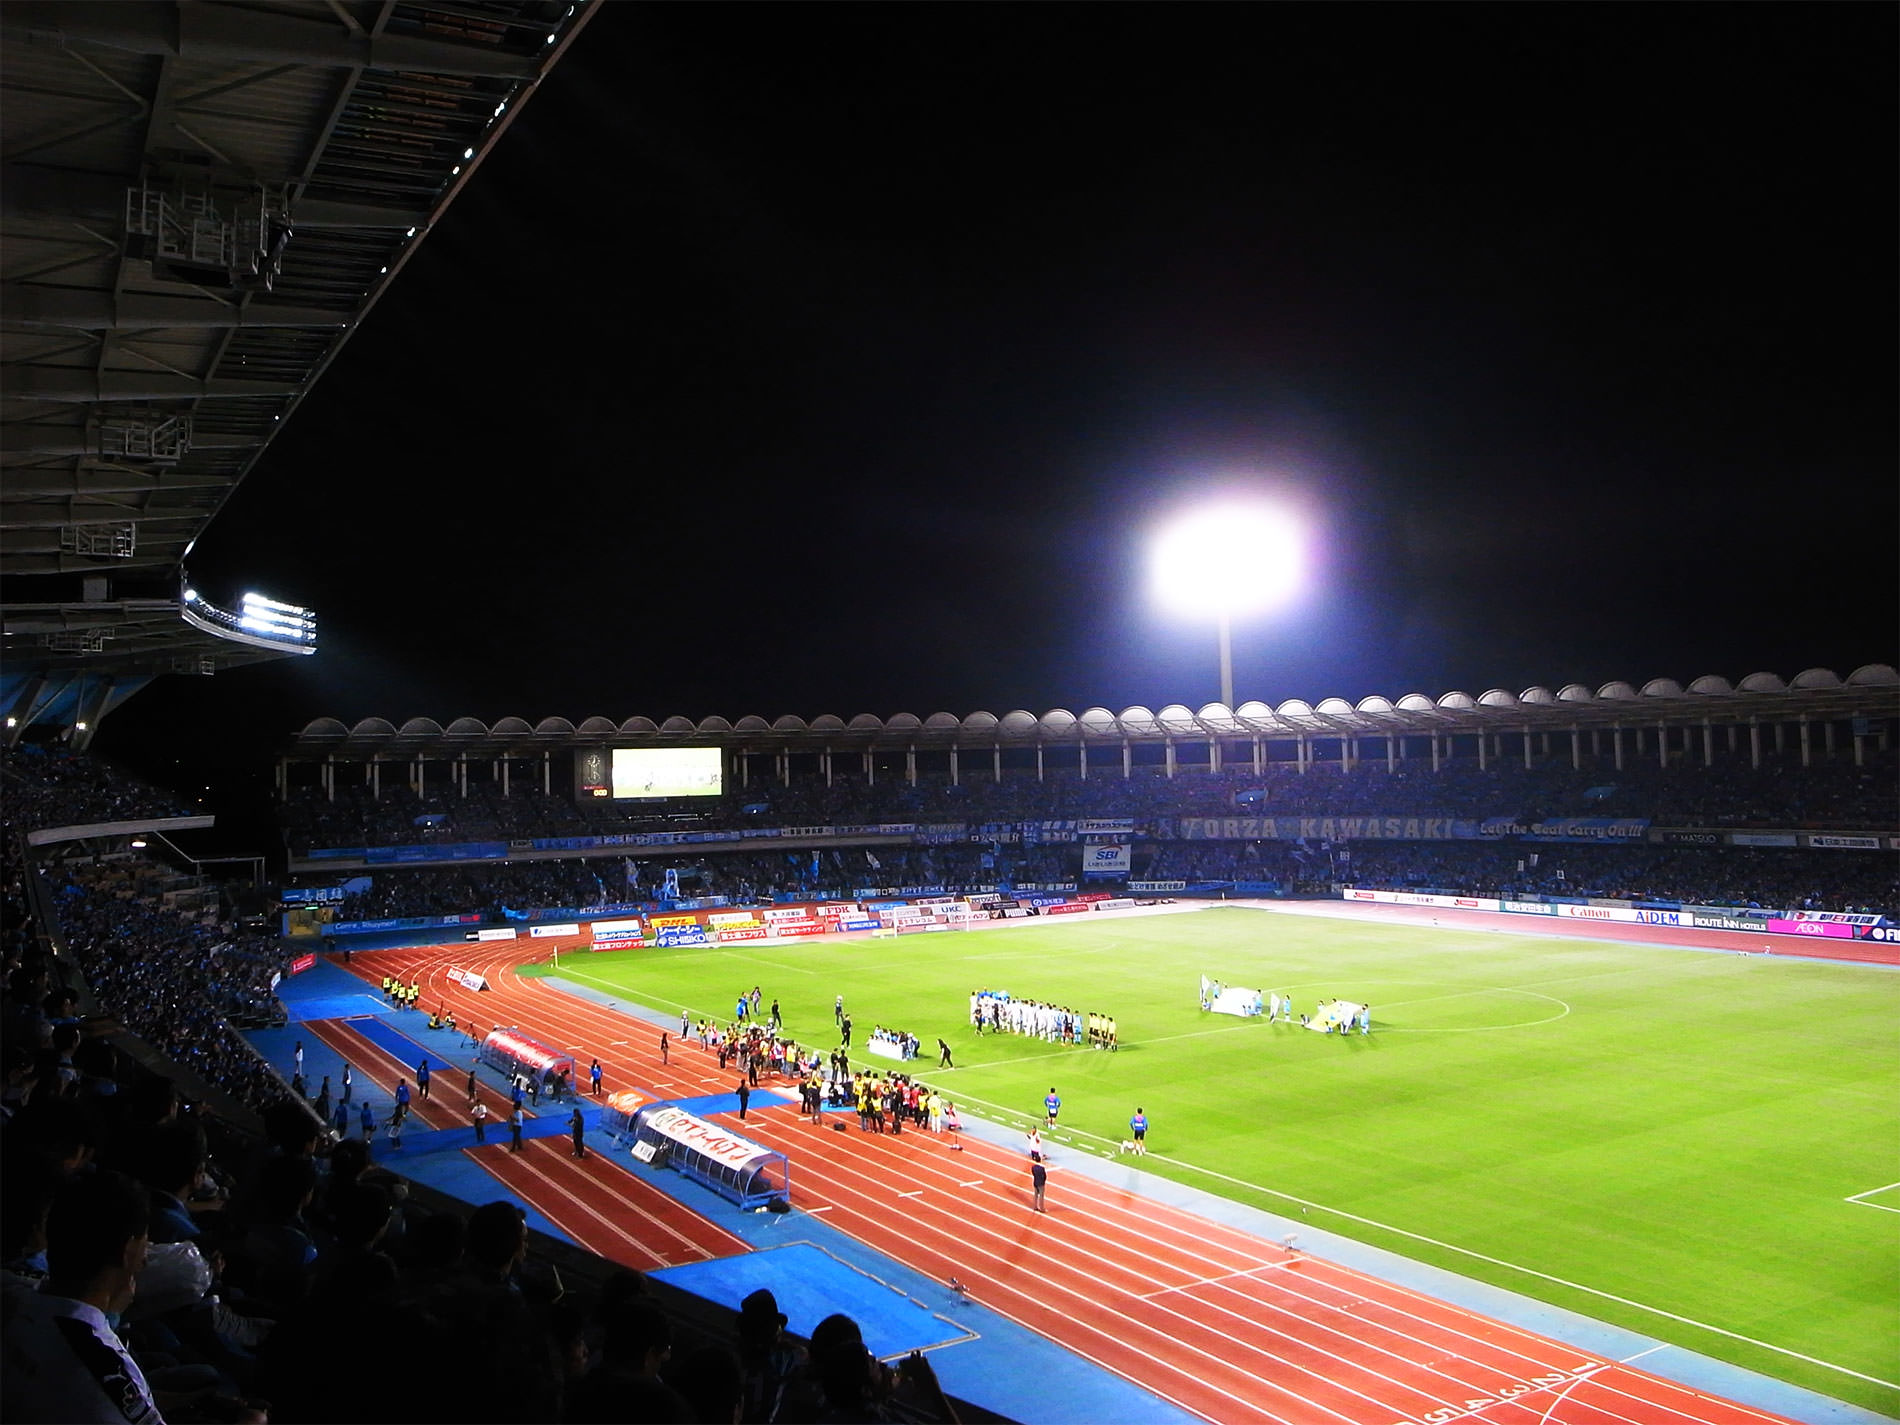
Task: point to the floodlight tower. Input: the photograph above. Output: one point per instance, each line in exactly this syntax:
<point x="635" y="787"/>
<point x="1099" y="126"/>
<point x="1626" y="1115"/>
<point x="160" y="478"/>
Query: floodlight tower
<point x="1228" y="560"/>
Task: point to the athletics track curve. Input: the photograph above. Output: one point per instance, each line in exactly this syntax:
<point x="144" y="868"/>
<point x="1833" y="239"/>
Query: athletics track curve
<point x="1221" y="1323"/>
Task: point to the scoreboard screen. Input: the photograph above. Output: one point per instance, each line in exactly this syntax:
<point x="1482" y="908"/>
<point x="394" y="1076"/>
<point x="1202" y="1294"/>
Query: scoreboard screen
<point x="647" y="773"/>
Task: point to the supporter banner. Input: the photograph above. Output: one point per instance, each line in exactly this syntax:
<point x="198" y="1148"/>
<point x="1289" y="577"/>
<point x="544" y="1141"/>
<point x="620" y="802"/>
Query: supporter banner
<point x="1837" y="917"/>
<point x="1833" y="930"/>
<point x="684" y="935"/>
<point x="857" y="923"/>
<point x="408" y="922"/>
<point x="544" y="932"/>
<point x="1041" y="901"/>
<point x="679" y="1126"/>
<point x="1157" y="885"/>
<point x="468" y="979"/>
<point x="1761" y="838"/>
<point x="1528" y="907"/>
<point x="787" y="913"/>
<point x="1258" y="888"/>
<point x="445" y="851"/>
<point x="749" y="931"/>
<point x="1614" y="904"/>
<point x="311" y="895"/>
<point x="1325" y="828"/>
<point x="1691" y="838"/>
<point x="1845" y="843"/>
<point x="1094" y="896"/>
<point x="1095" y="826"/>
<point x="617" y="927"/>
<point x="302" y="963"/>
<point x="728" y="918"/>
<point x="1066" y="908"/>
<point x="1115" y="860"/>
<point x="1567" y="828"/>
<point x="1114" y="903"/>
<point x="796" y="927"/>
<point x="497" y="932"/>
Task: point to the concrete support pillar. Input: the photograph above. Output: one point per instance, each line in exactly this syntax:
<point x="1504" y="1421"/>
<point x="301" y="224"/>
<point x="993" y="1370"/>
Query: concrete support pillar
<point x="1662" y="745"/>
<point x="1754" y="745"/>
<point x="1596" y="742"/>
<point x="1038" y="761"/>
<point x="1576" y="750"/>
<point x="504" y="776"/>
<point x="1860" y="750"/>
<point x="375" y="781"/>
<point x="1304" y="752"/>
<point x="870" y="769"/>
<point x="1484" y="748"/>
<point x="547" y="774"/>
<point x="1616" y="741"/>
<point x="996" y="761"/>
<point x="953" y="769"/>
<point x="1259" y="750"/>
<point x="785" y="769"/>
<point x="1527" y="749"/>
<point x="910" y="765"/>
<point x="1169" y="745"/>
<point x="1435" y="758"/>
<point x="825" y="757"/>
<point x="1827" y="738"/>
<point x="1391" y="754"/>
<point x="1128" y="760"/>
<point x="1807" y="743"/>
<point x="1082" y="760"/>
<point x="1213" y="755"/>
<point x="1781" y="739"/>
<point x="1708" y="744"/>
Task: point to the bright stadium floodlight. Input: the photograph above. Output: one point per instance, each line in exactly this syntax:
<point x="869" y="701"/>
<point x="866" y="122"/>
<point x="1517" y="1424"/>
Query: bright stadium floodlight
<point x="1228" y="560"/>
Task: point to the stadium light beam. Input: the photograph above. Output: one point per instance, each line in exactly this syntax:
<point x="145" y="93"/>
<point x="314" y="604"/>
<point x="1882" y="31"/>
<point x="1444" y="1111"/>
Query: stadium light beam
<point x="1228" y="560"/>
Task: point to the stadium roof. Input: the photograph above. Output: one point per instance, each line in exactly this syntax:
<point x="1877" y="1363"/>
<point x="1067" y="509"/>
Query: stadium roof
<point x="1817" y="694"/>
<point x="199" y="204"/>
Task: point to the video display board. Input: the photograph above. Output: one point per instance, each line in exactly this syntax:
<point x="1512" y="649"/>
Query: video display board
<point x="647" y="773"/>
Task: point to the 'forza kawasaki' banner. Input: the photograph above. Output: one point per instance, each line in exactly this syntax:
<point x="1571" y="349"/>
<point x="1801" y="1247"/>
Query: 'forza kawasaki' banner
<point x="1326" y="828"/>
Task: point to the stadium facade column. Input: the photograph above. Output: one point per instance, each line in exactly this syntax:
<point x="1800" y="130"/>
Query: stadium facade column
<point x="1391" y="754"/>
<point x="910" y="765"/>
<point x="1082" y="747"/>
<point x="1257" y="751"/>
<point x="503" y="765"/>
<point x="1527" y="749"/>
<point x="1708" y="744"/>
<point x="825" y="756"/>
<point x="1038" y="761"/>
<point x="870" y="769"/>
<point x="996" y="761"/>
<point x="1169" y="744"/>
<point x="1435" y="758"/>
<point x="375" y="779"/>
<point x="1576" y="750"/>
<point x="1616" y="744"/>
<point x="1754" y="744"/>
<point x="1827" y="738"/>
<point x="1807" y="741"/>
<point x="1213" y="754"/>
<point x="1128" y="760"/>
<point x="1662" y="744"/>
<point x="953" y="768"/>
<point x="547" y="774"/>
<point x="1483" y="750"/>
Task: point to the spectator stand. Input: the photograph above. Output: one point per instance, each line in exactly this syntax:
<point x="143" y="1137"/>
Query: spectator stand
<point x="666" y="1135"/>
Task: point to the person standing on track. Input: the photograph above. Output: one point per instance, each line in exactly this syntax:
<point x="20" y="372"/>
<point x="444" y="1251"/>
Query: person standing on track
<point x="422" y="1079"/>
<point x="745" y="1097"/>
<point x="478" y="1111"/>
<point x="471" y="1082"/>
<point x="346" y="1085"/>
<point x="593" y="1074"/>
<point x="577" y="1126"/>
<point x="665" y="1047"/>
<point x="296" y="1059"/>
<point x="515" y="1121"/>
<point x="1038" y="1178"/>
<point x="369" y="1122"/>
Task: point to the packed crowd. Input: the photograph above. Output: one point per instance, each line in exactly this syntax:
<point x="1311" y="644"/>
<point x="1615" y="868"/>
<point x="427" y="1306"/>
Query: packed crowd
<point x="49" y="786"/>
<point x="1830" y="793"/>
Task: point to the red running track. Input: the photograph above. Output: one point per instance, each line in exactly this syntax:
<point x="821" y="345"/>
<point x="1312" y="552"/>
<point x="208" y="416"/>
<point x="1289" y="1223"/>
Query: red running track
<point x="1219" y="1322"/>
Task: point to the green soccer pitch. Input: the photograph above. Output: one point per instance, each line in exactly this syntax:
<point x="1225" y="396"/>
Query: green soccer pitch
<point x="1691" y="1144"/>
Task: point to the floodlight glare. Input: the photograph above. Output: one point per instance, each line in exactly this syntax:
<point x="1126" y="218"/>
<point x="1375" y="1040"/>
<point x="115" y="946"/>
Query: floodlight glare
<point x="1228" y="560"/>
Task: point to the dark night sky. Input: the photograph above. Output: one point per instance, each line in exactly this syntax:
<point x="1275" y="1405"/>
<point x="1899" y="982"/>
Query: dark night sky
<point x="811" y="359"/>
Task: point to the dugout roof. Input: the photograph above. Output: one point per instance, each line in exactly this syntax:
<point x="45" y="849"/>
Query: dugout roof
<point x="199" y="203"/>
<point x="1818" y="695"/>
